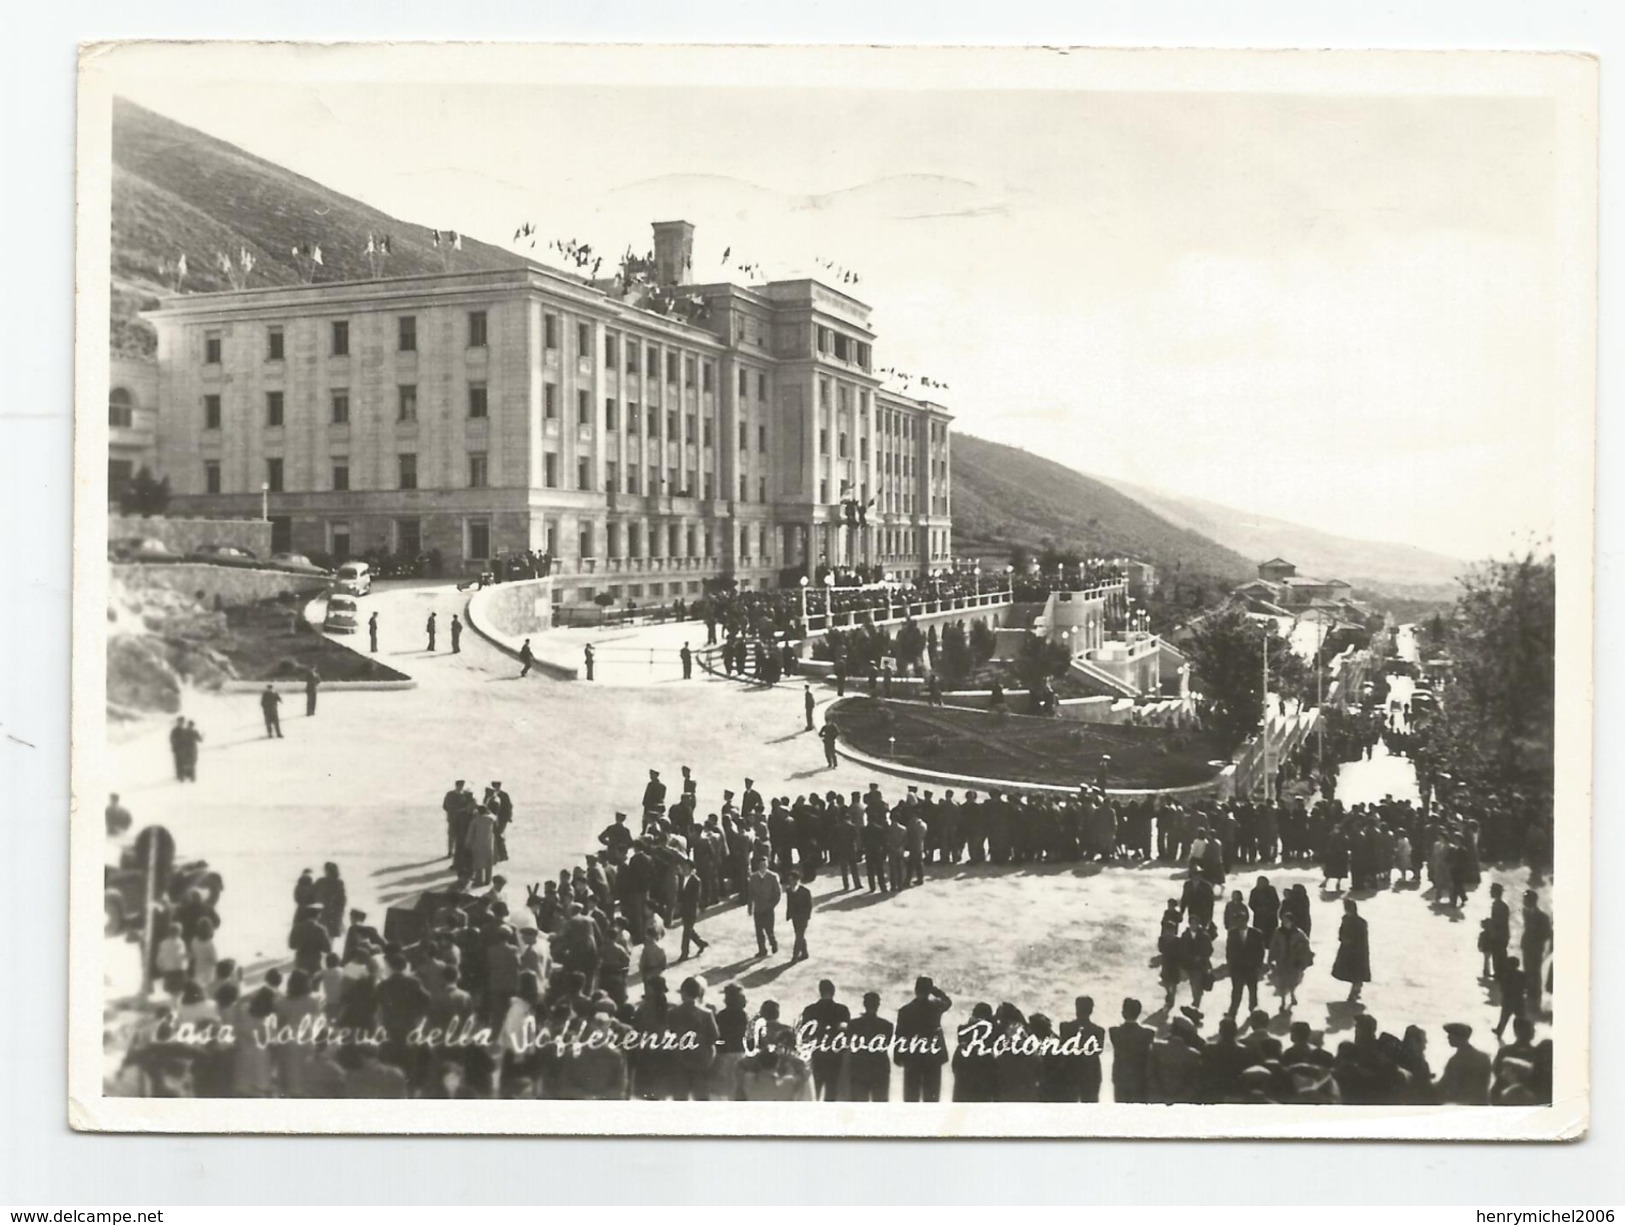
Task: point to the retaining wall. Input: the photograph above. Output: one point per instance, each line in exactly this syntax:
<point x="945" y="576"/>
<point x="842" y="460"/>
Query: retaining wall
<point x="508" y="613"/>
<point x="183" y="534"/>
<point x="230" y="584"/>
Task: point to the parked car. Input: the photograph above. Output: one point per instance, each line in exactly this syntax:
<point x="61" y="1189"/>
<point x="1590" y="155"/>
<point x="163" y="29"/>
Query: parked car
<point x="223" y="555"/>
<point x="342" y="617"/>
<point x="141" y="549"/>
<point x="354" y="578"/>
<point x="294" y="563"/>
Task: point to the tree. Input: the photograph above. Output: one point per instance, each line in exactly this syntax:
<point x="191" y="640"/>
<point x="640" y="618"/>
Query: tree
<point x="956" y="657"/>
<point x="1497" y="708"/>
<point x="145" y="495"/>
<point x="1040" y="659"/>
<point x="1021" y="558"/>
<point x="910" y="642"/>
<point x="1227" y="657"/>
<point x="983" y="642"/>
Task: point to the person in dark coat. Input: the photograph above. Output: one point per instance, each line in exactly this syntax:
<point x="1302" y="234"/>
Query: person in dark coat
<point x="1353" y="963"/>
<point x="1244" y="950"/>
<point x="654" y="795"/>
<point x="822" y="1021"/>
<point x="688" y="909"/>
<point x="975" y="1075"/>
<point x="177" y="747"/>
<point x="798" y="907"/>
<point x="372" y="633"/>
<point x="921" y="1047"/>
<point x="1265" y="904"/>
<point x="329" y="894"/>
<point x="830" y="734"/>
<point x="270" y="700"/>
<point x="1089" y="1040"/>
<point x="455" y="805"/>
<point x="456" y="634"/>
<point x="587" y="658"/>
<point x="429" y="628"/>
<point x="687" y="656"/>
<point x="313" y="679"/>
<point x="808" y="704"/>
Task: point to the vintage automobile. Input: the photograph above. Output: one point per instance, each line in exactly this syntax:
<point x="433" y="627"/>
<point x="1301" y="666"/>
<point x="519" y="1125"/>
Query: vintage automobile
<point x="353" y="578"/>
<point x="294" y="563"/>
<point x="141" y="549"/>
<point x="124" y="885"/>
<point x="223" y="555"/>
<point x="342" y="617"/>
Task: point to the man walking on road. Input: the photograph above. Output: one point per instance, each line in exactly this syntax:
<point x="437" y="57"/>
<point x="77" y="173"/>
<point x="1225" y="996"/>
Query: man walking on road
<point x="764" y="891"/>
<point x="798" y="908"/>
<point x="270" y="699"/>
<point x="429" y="629"/>
<point x="313" y="678"/>
<point x="526" y="657"/>
<point x="456" y="635"/>
<point x="687" y="656"/>
<point x="808" y="702"/>
<point x="372" y="633"/>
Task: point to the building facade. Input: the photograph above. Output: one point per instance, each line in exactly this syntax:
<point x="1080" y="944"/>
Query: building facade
<point x="132" y="422"/>
<point x="483" y="413"/>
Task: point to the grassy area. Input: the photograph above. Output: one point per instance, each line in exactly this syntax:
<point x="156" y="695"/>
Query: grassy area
<point x="263" y="646"/>
<point x="1023" y="748"/>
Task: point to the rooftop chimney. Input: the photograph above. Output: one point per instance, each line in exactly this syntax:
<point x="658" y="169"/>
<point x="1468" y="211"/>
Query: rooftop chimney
<point x="674" y="252"/>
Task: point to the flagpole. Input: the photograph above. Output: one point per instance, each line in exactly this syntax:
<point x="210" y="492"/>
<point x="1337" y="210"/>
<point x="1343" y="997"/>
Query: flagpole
<point x="1265" y="729"/>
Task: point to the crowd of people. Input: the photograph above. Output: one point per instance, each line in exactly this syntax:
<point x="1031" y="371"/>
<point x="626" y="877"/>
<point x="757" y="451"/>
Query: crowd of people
<point x="565" y="993"/>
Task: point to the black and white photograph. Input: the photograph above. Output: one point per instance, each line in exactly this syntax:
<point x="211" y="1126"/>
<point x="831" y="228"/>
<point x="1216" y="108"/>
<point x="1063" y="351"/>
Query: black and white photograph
<point x="866" y="591"/>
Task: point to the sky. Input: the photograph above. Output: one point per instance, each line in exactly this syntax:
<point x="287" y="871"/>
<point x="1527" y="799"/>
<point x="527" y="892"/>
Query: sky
<point x="1337" y="309"/>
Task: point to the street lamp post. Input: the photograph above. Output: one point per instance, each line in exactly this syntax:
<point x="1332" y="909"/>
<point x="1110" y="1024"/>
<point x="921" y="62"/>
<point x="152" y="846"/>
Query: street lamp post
<point x="265" y="500"/>
<point x="976" y="581"/>
<point x="804" y="602"/>
<point x="829" y="600"/>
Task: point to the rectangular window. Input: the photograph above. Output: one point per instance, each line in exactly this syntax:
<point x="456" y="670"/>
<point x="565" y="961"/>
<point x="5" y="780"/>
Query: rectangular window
<point x="211" y="412"/>
<point x="583" y="340"/>
<point x="409" y="537"/>
<point x="693" y="430"/>
<point x="476" y="470"/>
<point x="688" y="371"/>
<point x="408" y="471"/>
<point x="550" y="401"/>
<point x="341" y="475"/>
<point x="609" y="352"/>
<point x="550" y="470"/>
<point x="843" y="447"/>
<point x="823" y="393"/>
<point x="761" y="386"/>
<point x="761" y="489"/>
<point x="708" y="424"/>
<point x="672" y="540"/>
<point x="689" y="540"/>
<point x="761" y="439"/>
<point x="406" y="402"/>
<point x="476" y="329"/>
<point x="479" y="539"/>
<point x="611" y="417"/>
<point x="585" y="543"/>
<point x="476" y="400"/>
<point x="211" y="476"/>
<point x="583" y="474"/>
<point x="406" y="334"/>
<point x="823" y="442"/>
<point x="273" y="344"/>
<point x="744" y="382"/>
<point x="631" y="479"/>
<point x="651" y="362"/>
<point x="671" y="425"/>
<point x="710" y="489"/>
<point x="273" y="475"/>
<point x="654" y="480"/>
<point x="744" y="436"/>
<point x="634" y="540"/>
<point x="708" y="377"/>
<point x="339" y="407"/>
<point x="863" y="449"/>
<point x="744" y="487"/>
<point x="631" y="418"/>
<point x="550" y="331"/>
<point x="823" y="491"/>
<point x="211" y="348"/>
<point x="631" y="356"/>
<point x="612" y="476"/>
<point x="583" y="407"/>
<point x="671" y="368"/>
<point x="840" y="347"/>
<point x="341" y="338"/>
<point x="273" y="409"/>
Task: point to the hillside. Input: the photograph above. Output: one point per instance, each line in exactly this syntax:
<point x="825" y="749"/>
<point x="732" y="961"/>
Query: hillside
<point x="1004" y="496"/>
<point x="1372" y="566"/>
<point x="178" y="190"/>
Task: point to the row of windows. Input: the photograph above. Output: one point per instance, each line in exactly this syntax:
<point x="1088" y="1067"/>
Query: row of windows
<point x="406" y="473"/>
<point x="844" y="348"/>
<point x="406" y="338"/>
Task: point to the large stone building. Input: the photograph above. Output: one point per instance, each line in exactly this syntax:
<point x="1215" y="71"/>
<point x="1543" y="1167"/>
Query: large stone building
<point x="132" y="422"/>
<point x="481" y="413"/>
